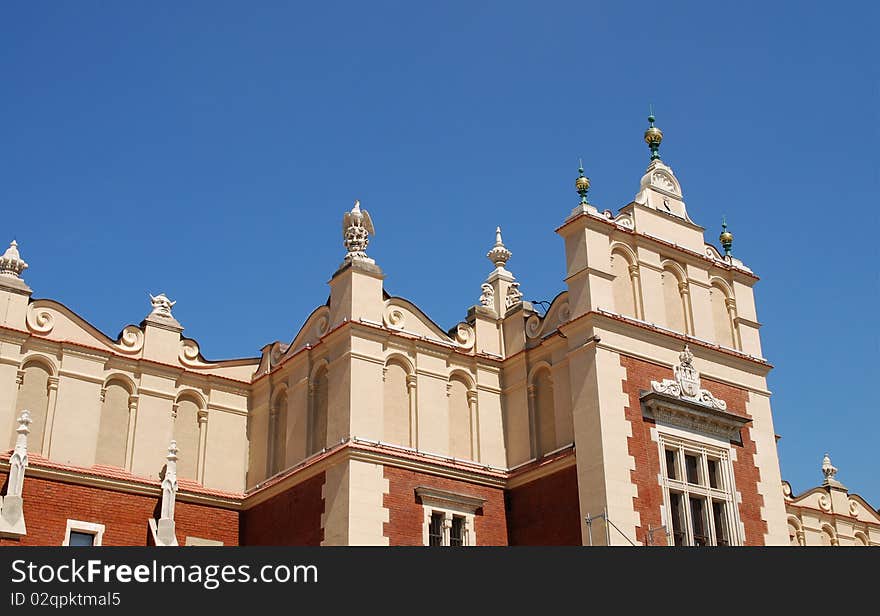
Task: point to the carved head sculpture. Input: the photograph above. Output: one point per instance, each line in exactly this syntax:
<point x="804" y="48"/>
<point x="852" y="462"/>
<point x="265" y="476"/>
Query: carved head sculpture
<point x="161" y="305"/>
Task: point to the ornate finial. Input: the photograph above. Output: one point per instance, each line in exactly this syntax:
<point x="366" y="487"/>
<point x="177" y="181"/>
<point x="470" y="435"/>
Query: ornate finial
<point x="828" y="470"/>
<point x="499" y="255"/>
<point x="357" y="227"/>
<point x="726" y="238"/>
<point x="11" y="263"/>
<point x="653" y="136"/>
<point x="161" y="306"/>
<point x="582" y="183"/>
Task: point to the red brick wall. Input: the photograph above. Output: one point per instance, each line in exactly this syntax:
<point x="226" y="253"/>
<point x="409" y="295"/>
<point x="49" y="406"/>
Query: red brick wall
<point x="639" y="375"/>
<point x="545" y="511"/>
<point x="48" y="504"/>
<point x="290" y="518"/>
<point x="406" y="514"/>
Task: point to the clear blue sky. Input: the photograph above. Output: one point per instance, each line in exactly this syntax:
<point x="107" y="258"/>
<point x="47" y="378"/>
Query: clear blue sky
<point x="208" y="149"/>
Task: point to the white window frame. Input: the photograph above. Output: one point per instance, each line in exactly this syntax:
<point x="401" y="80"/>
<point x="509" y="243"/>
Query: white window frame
<point x="450" y="505"/>
<point x="89" y="528"/>
<point x="725" y="493"/>
<point x="199" y="541"/>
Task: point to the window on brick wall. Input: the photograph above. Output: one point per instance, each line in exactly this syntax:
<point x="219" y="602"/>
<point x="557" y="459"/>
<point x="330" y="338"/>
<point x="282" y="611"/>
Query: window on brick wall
<point x="435" y="529"/>
<point x="449" y="517"/>
<point x="79" y="534"/>
<point x="698" y="493"/>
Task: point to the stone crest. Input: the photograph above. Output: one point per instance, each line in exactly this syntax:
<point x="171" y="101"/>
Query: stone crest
<point x="686" y="383"/>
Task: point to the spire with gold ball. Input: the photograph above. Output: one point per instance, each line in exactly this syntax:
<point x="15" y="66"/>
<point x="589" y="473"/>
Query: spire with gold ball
<point x="582" y="183"/>
<point x="653" y="137"/>
<point x="726" y="238"/>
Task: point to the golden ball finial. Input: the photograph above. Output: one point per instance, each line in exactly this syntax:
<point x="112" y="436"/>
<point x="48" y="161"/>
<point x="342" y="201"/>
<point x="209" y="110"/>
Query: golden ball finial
<point x="653" y="137"/>
<point x="582" y="183"/>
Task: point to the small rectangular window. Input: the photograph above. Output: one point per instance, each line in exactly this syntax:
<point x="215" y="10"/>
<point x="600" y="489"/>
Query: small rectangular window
<point x="693" y="475"/>
<point x="670" y="464"/>
<point x="456" y="535"/>
<point x="81" y="539"/>
<point x="435" y="530"/>
<point x="699" y="521"/>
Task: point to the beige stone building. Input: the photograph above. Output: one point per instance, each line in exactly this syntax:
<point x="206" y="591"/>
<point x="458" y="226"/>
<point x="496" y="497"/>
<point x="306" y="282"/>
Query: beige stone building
<point x="829" y="515"/>
<point x="635" y="410"/>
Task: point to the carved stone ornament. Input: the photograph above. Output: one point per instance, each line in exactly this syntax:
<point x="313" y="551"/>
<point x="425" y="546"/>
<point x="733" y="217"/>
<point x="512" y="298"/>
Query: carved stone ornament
<point x="487" y="298"/>
<point x="39" y="321"/>
<point x="163" y="530"/>
<point x="683" y="402"/>
<point x="11" y="263"/>
<point x="12" y="511"/>
<point x="465" y="336"/>
<point x="853" y="508"/>
<point x="687" y="383"/>
<point x="161" y="306"/>
<point x="394" y="318"/>
<point x="357" y="227"/>
<point x="514" y="296"/>
<point x="131" y="340"/>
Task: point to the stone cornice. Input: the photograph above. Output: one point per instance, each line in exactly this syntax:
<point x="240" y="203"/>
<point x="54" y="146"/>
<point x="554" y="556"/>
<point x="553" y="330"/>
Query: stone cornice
<point x="538" y="469"/>
<point x="677" y="411"/>
<point x="91" y="477"/>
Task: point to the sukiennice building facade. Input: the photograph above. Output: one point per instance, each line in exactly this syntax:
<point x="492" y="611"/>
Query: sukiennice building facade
<point x="635" y="410"/>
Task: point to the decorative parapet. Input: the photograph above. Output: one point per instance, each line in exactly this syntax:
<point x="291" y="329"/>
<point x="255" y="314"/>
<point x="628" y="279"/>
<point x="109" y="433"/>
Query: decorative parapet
<point x="11" y="506"/>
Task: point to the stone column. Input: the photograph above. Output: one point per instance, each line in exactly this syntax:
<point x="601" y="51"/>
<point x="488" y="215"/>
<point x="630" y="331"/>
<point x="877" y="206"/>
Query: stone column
<point x="475" y="425"/>
<point x="50" y="415"/>
<point x="731" y="314"/>
<point x="635" y="282"/>
<point x="132" y="422"/>
<point x="203" y="442"/>
<point x="412" y="391"/>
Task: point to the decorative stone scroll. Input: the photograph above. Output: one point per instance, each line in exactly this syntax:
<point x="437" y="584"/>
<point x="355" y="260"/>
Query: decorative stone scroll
<point x="686" y="383"/>
<point x="39" y="321"/>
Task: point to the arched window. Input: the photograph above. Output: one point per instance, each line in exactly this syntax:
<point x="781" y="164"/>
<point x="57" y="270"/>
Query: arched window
<point x="545" y="412"/>
<point x="675" y="300"/>
<point x="396" y="404"/>
<point x="861" y="539"/>
<point x="113" y="428"/>
<point x="795" y="531"/>
<point x="319" y="394"/>
<point x="623" y="285"/>
<point x="460" y="434"/>
<point x="278" y="433"/>
<point x="186" y="433"/>
<point x="721" y="316"/>
<point x="33" y="395"/>
<point x="829" y="537"/>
